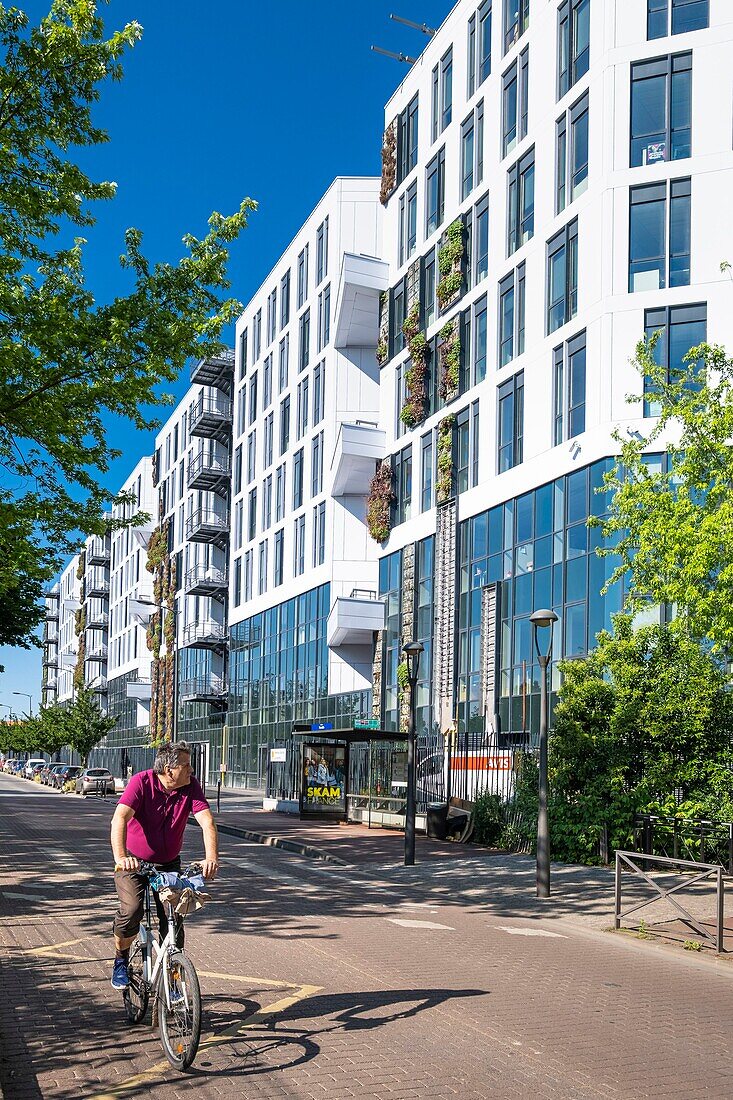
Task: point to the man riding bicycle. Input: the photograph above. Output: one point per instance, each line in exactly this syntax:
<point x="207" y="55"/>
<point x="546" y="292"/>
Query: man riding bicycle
<point x="148" y="824"/>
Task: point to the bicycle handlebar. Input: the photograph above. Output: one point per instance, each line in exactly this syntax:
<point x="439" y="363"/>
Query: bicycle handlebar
<point x="150" y="870"/>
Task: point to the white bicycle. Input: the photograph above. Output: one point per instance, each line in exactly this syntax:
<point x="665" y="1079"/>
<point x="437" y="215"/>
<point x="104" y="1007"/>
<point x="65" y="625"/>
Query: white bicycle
<point x="165" y="973"/>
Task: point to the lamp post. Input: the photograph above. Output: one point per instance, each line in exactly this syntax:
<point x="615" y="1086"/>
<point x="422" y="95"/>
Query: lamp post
<point x="28" y="696"/>
<point x="412" y="651"/>
<point x="540" y="620"/>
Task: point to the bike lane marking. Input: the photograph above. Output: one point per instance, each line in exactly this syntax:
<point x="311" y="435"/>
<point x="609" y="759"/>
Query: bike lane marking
<point x="161" y="1070"/>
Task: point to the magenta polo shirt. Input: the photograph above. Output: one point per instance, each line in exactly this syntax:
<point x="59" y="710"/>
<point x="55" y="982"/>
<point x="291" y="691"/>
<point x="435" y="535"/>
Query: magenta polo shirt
<point x="156" y="831"/>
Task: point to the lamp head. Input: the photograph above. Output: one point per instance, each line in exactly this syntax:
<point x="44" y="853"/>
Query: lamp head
<point x="543" y="617"/>
<point x="413" y="649"/>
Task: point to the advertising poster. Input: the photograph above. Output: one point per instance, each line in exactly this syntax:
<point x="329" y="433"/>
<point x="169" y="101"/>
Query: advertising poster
<point x="324" y="780"/>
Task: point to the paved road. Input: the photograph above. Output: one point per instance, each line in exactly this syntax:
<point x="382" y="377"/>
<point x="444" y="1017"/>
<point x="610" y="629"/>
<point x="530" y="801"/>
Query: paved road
<point x="324" y="982"/>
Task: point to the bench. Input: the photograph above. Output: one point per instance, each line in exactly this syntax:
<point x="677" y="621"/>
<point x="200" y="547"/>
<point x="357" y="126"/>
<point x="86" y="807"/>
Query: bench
<point x="459" y="820"/>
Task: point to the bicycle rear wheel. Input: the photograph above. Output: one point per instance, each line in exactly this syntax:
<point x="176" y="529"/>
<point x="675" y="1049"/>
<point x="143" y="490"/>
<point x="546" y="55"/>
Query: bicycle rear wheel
<point x="137" y="994"/>
<point x="180" y="1025"/>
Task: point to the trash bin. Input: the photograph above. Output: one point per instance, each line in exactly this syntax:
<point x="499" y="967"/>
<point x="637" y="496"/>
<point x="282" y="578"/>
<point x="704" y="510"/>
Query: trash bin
<point x="437" y="816"/>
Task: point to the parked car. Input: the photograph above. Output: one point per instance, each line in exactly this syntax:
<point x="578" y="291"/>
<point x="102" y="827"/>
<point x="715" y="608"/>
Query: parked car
<point x="9" y="765"/>
<point x="48" y="773"/>
<point x="18" y="767"/>
<point x="92" y="780"/>
<point x="65" y="773"/>
<point x="31" y="766"/>
<point x="36" y="772"/>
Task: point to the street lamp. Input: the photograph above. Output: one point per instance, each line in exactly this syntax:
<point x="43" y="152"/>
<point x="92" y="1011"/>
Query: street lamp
<point x="540" y="620"/>
<point x="28" y="696"/>
<point x="412" y="651"/>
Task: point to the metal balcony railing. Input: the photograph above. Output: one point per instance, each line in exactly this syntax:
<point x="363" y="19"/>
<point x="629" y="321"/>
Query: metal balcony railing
<point x="96" y="583"/>
<point x="97" y="618"/>
<point x="217" y="371"/>
<point x="206" y="633"/>
<point x="211" y="416"/>
<point x="97" y="653"/>
<point x="98" y="551"/>
<point x="205" y="580"/>
<point x="207" y="471"/>
<point x="52" y="614"/>
<point x="206" y="525"/>
<point x="51" y="660"/>
<point x="203" y="688"/>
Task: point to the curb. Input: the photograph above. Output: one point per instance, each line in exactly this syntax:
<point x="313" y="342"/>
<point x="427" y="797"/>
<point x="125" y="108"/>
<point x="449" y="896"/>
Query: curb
<point x="297" y="846"/>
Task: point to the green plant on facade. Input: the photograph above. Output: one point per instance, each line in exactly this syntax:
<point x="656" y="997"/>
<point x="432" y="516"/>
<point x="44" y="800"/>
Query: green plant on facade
<point x="450" y="260"/>
<point x="389" y="162"/>
<point x="403" y="689"/>
<point x="382" y="352"/>
<point x="81" y="565"/>
<point x="450" y="360"/>
<point x="379" y="503"/>
<point x="416" y="394"/>
<point x="161" y="628"/>
<point x="444" y="480"/>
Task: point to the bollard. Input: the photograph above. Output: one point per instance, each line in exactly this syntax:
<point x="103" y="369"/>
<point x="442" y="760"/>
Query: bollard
<point x="218" y="795"/>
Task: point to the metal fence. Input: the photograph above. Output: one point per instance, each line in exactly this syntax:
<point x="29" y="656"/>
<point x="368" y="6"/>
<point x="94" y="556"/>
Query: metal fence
<point x="703" y="841"/>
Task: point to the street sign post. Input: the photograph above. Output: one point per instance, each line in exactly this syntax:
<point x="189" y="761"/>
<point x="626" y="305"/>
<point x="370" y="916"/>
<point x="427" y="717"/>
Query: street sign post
<point x="366" y="723"/>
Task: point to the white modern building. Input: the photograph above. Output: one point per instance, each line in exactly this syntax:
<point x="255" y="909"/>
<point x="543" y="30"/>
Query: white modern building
<point x="556" y="178"/>
<point x="67" y="646"/>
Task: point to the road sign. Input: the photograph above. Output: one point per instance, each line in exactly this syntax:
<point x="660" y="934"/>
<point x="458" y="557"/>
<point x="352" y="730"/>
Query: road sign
<point x="366" y="724"/>
<point x="317" y="727"/>
<point x="278" y="756"/>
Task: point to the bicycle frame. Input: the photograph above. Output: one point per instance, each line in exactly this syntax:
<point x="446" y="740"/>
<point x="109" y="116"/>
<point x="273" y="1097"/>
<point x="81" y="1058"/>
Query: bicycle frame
<point x="155" y="973"/>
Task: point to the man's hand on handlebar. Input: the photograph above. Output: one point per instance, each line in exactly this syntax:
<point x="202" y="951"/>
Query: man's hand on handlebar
<point x="129" y="863"/>
<point x="209" y="867"/>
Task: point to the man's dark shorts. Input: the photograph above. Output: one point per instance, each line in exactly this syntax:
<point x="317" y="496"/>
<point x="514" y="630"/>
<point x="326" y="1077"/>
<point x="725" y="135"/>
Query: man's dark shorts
<point x="130" y="887"/>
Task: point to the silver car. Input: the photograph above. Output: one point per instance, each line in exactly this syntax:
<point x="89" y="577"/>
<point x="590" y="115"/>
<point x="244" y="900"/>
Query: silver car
<point x="95" y="781"/>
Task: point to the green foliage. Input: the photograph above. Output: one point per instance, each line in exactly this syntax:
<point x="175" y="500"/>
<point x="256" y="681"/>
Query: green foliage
<point x="444" y="480"/>
<point x="416" y="395"/>
<point x="672" y="529"/>
<point x="488" y="819"/>
<point x="403" y="677"/>
<point x="379" y="503"/>
<point x="450" y="360"/>
<point x="85" y="725"/>
<point x="450" y="257"/>
<point x="68" y="362"/>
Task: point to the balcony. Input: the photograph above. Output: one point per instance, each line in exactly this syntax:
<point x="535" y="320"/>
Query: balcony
<point x="354" y="619"/>
<point x="206" y="525"/>
<point x="98" y="685"/>
<point x="98" y="551"/>
<point x="52" y="614"/>
<point x="207" y="634"/>
<point x="97" y="653"/>
<point x="216" y="371"/>
<point x="206" y="581"/>
<point x="97" y="583"/>
<point x="96" y="617"/>
<point x="211" y="417"/>
<point x="204" y="689"/>
<point x="73" y="603"/>
<point x="209" y="472"/>
<point x="67" y="661"/>
<point x="363" y="279"/>
<point x="140" y="690"/>
<point x="359" y="448"/>
<point x="50" y="659"/>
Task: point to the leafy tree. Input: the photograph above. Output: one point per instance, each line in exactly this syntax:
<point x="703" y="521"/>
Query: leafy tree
<point x="66" y="360"/>
<point x="673" y="527"/>
<point x="645" y="722"/>
<point x="85" y="723"/>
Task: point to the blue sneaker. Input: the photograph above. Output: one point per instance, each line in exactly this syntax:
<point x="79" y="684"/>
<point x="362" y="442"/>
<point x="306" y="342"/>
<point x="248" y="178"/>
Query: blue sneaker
<point x="120" y="978"/>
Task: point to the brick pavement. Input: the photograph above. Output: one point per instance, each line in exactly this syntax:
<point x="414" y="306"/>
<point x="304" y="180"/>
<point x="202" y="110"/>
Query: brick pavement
<point x="464" y="1009"/>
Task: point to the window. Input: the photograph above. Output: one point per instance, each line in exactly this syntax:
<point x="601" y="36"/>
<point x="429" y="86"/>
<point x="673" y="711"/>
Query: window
<point x="285" y="299"/>
<point x="562" y="276"/>
<point x="302" y="276"/>
<point x="299" y="546"/>
<point x="284" y="425"/>
<point x="324" y="319"/>
<point x="304" y="350"/>
<point x="479" y="340"/>
<point x="251" y="455"/>
<point x="511" y="315"/>
<point x="319" y="534"/>
<point x="322" y="252"/>
<point x="408" y="222"/>
<point x="269" y="432"/>
<point x="520" y="205"/>
<point x="406" y="141"/>
<point x="317" y="464"/>
<point x="280" y="493"/>
<point x="248" y="557"/>
<point x="252" y="514"/>
<point x="253" y="398"/>
<point x="237" y="474"/>
<point x="480" y="239"/>
<point x="514" y="106"/>
<point x="237" y="582"/>
<point x="301" y="416"/>
<point x="652" y="264"/>
<point x="267" y="382"/>
<point x="319" y="381"/>
<point x="277" y="578"/>
<point x="569" y="389"/>
<point x="571" y="157"/>
<point x="267" y="502"/>
<point x="238" y="524"/>
<point x="435" y="193"/>
<point x="686" y="15"/>
<point x="283" y="363"/>
<point x="516" y="21"/>
<point x="298" y="479"/>
<point x="398" y="317"/>
<point x="262" y="572"/>
<point x="510" y="398"/>
<point x="680" y="328"/>
<point x="479" y="47"/>
<point x="472" y="151"/>
<point x="661" y="109"/>
<point x="461" y="442"/>
<point x="573" y="43"/>
<point x="426" y="472"/>
<point x="257" y="335"/>
<point x="429" y="288"/>
<point x="443" y="93"/>
<point x="402" y="465"/>
<point x="242" y="353"/>
<point x="272" y="316"/>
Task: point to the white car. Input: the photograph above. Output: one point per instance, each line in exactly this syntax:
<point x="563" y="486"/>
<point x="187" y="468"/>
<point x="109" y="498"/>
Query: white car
<point x="31" y="764"/>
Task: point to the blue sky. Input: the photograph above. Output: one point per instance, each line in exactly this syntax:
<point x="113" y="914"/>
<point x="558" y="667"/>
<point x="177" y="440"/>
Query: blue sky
<point x="222" y="101"/>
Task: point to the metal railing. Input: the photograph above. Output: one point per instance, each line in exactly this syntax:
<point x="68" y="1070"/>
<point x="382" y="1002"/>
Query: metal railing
<point x="207" y="407"/>
<point x="209" y="631"/>
<point x="205" y="577"/>
<point x="207" y="519"/>
<point x="706" y="841"/>
<point x="632" y="861"/>
<point x="213" y="465"/>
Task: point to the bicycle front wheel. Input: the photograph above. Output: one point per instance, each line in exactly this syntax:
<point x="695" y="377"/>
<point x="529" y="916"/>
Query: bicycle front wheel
<point x="137" y="994"/>
<point x="180" y="1023"/>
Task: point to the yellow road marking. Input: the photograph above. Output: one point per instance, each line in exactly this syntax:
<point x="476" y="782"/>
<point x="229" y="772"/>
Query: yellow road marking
<point x="125" y="1088"/>
<point x="244" y="978"/>
<point x="52" y="951"/>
